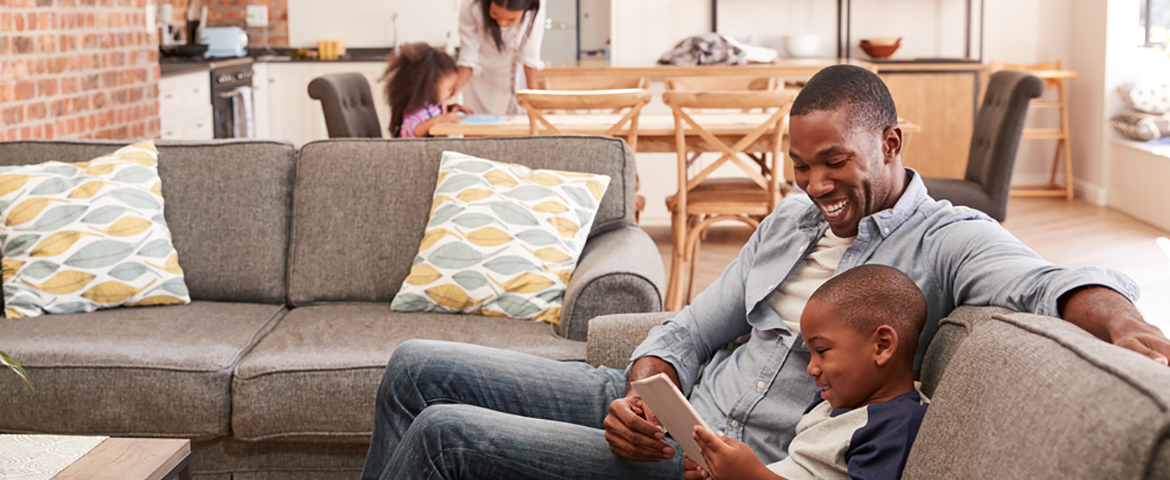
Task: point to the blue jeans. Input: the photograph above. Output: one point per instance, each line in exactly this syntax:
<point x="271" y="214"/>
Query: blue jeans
<point x="449" y="410"/>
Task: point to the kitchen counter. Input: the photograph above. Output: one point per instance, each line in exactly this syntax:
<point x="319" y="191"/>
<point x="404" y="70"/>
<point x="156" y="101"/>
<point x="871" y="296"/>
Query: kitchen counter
<point x="782" y="67"/>
<point x="169" y="69"/>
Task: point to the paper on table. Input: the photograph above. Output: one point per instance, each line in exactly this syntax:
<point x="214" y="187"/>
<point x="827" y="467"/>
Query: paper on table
<point x="674" y="411"/>
<point x="41" y="457"/>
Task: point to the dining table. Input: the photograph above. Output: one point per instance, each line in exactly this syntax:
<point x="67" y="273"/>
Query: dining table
<point x="655" y="130"/>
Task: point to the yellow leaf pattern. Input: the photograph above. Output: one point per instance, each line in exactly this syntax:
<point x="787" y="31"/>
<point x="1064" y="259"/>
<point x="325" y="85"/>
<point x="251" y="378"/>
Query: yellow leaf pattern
<point x="9" y="183"/>
<point x="500" y="179"/>
<point x="171" y="266"/>
<point x="473" y="194"/>
<point x="423" y="274"/>
<point x="525" y="283"/>
<point x="126" y="227"/>
<point x="58" y="243"/>
<point x="511" y="255"/>
<point x="10" y="264"/>
<point x="113" y="292"/>
<point x="565" y="227"/>
<point x="451" y="296"/>
<point x="487" y="237"/>
<point x="87" y="190"/>
<point x="28" y="210"/>
<point x="64" y="282"/>
<point x="157" y="300"/>
<point x="88" y="235"/>
<point x="550" y="207"/>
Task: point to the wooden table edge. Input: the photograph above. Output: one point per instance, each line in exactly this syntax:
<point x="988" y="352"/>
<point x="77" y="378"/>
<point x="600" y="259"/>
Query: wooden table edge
<point x="113" y="445"/>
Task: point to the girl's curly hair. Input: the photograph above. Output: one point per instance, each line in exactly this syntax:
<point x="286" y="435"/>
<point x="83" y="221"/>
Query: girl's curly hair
<point x="412" y="80"/>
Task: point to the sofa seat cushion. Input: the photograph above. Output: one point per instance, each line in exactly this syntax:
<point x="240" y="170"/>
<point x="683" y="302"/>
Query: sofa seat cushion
<point x="314" y="377"/>
<point x="151" y="371"/>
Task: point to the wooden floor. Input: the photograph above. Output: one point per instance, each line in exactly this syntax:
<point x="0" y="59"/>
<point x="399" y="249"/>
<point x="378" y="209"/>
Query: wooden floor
<point x="1075" y="234"/>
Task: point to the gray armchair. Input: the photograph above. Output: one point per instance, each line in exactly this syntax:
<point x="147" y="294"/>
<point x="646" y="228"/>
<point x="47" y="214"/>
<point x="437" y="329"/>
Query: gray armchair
<point x="998" y="127"/>
<point x="348" y="105"/>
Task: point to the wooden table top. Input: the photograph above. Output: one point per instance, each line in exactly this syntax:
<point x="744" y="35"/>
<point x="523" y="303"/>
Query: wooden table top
<point x="781" y="67"/>
<point x="129" y="459"/>
<point x="649" y="124"/>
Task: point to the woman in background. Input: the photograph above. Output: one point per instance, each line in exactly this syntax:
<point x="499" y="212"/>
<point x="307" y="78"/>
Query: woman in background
<point x="499" y="52"/>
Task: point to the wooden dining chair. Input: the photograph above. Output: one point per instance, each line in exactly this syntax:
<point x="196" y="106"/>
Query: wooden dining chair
<point x="537" y="101"/>
<point x="585" y="82"/>
<point x="702" y="201"/>
<point x="1053" y="76"/>
<point x="721" y="83"/>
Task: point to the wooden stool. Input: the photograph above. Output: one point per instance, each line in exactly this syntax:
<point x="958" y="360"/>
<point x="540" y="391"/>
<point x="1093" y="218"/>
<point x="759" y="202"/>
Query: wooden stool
<point x="1054" y="78"/>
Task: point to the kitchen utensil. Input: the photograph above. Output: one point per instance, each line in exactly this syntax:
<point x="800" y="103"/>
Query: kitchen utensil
<point x="202" y="22"/>
<point x="881" y="51"/>
<point x="802" y="46"/>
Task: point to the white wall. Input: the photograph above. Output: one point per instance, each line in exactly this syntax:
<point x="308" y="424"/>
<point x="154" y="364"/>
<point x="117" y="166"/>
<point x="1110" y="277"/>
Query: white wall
<point x="367" y="23"/>
<point x="645" y="29"/>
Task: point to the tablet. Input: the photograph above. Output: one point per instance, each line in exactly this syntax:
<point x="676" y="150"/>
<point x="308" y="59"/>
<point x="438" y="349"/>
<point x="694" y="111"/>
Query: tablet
<point x="674" y="411"/>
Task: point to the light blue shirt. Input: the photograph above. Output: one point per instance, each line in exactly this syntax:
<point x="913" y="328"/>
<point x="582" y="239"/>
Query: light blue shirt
<point x="956" y="256"/>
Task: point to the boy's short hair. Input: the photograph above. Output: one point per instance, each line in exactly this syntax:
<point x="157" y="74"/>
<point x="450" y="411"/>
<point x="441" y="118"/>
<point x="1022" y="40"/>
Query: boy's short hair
<point x="869" y="296"/>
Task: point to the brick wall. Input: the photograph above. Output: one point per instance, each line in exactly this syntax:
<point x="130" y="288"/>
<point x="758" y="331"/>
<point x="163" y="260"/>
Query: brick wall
<point x="77" y="69"/>
<point x="231" y="13"/>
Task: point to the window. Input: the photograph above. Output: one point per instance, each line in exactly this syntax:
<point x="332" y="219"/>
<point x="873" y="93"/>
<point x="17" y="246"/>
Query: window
<point x="1154" y="23"/>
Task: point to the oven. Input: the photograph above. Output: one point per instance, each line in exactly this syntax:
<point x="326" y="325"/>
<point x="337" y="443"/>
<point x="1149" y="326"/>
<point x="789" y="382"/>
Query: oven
<point x="231" y="98"/>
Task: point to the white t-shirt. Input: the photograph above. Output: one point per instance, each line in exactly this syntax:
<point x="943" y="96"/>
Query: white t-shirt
<point x="818" y="266"/>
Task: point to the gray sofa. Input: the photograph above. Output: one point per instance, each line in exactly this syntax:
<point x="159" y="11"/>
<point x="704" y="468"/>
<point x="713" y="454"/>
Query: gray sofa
<point x="1013" y="396"/>
<point x="292" y="259"/>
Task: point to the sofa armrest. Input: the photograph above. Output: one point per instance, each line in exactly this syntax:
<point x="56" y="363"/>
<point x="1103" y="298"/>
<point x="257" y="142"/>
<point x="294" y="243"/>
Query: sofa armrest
<point x="613" y="338"/>
<point x="620" y="271"/>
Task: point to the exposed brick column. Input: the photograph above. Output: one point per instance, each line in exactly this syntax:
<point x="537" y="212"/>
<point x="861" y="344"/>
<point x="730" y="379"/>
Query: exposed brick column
<point x="77" y="69"/>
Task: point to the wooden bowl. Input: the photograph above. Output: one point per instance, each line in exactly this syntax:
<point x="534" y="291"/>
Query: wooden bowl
<point x="881" y="48"/>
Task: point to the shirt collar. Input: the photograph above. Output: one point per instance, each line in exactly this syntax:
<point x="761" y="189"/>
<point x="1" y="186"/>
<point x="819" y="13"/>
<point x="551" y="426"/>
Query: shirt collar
<point x="889" y="219"/>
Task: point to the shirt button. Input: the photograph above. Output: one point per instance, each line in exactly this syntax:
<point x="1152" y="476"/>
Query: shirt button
<point x="771" y="287"/>
<point x="887" y="230"/>
<point x="761" y="385"/>
<point x="801" y="250"/>
<point x="735" y="424"/>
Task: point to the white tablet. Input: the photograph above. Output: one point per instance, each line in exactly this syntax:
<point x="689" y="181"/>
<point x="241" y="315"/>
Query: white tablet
<point x="674" y="411"/>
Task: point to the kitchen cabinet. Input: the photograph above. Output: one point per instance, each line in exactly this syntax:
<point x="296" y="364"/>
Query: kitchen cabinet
<point x="292" y="115"/>
<point x="942" y="99"/>
<point x="184" y="106"/>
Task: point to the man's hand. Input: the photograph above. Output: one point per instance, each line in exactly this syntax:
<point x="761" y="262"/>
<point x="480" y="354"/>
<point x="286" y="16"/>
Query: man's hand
<point x="728" y="459"/>
<point x="455" y="107"/>
<point x="1111" y="317"/>
<point x="694" y="471"/>
<point x="634" y="432"/>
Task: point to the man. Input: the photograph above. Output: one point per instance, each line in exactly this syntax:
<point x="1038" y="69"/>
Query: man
<point x="459" y="411"/>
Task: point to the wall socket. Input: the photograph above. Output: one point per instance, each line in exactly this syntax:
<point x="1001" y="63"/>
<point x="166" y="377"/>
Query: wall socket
<point x="257" y="15"/>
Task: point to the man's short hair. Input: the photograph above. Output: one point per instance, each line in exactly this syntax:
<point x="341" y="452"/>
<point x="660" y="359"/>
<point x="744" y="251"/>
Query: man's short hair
<point x="869" y="296"/>
<point x="870" y="105"/>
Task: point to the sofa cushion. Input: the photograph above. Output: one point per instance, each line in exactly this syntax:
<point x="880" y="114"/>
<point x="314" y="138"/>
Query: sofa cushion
<point x="84" y="236"/>
<point x="151" y="371"/>
<point x="362" y="205"/>
<point x="314" y="377"/>
<point x="952" y="330"/>
<point x="502" y="240"/>
<point x="1027" y="396"/>
<point x="228" y="206"/>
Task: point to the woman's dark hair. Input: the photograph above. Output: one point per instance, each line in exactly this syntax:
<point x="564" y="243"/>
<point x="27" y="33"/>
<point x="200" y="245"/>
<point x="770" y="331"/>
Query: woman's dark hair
<point x="494" y="28"/>
<point x="412" y="80"/>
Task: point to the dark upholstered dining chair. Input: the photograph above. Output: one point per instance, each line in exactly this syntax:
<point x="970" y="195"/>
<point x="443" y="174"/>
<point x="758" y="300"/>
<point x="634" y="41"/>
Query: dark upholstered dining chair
<point x="348" y="105"/>
<point x="998" y="127"/>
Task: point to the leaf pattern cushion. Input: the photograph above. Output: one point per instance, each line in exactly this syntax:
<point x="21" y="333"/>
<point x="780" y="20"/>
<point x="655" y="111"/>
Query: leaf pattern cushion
<point x="90" y="235"/>
<point x="502" y="239"/>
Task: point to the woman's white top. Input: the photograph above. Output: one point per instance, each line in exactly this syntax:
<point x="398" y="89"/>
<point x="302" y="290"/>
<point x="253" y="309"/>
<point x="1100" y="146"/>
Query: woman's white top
<point x="498" y="73"/>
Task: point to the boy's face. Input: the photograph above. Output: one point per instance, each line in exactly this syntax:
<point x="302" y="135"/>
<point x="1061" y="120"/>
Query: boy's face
<point x="842" y="359"/>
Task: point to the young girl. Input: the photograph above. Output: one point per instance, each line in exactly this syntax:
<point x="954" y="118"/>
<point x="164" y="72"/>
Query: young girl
<point x="419" y="81"/>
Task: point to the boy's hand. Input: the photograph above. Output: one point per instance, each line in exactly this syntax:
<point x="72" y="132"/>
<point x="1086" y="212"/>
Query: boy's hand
<point x="694" y="471"/>
<point x="729" y="459"/>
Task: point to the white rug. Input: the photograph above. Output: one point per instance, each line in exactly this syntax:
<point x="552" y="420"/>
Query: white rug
<point x="40" y="457"/>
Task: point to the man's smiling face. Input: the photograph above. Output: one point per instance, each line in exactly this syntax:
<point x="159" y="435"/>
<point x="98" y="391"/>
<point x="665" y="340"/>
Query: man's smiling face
<point x="847" y="171"/>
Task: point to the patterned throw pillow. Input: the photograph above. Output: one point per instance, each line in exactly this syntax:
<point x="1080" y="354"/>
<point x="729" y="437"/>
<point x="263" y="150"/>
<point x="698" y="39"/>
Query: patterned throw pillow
<point x="90" y="235"/>
<point x="502" y="240"/>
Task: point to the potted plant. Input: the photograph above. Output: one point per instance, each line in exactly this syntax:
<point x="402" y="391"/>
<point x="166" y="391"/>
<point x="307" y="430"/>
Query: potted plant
<point x="6" y="360"/>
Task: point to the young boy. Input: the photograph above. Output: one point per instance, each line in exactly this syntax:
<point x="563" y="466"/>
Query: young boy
<point x="862" y="329"/>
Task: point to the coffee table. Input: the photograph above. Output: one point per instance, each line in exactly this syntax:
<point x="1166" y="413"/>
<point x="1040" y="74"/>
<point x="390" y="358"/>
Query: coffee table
<point x="133" y="459"/>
